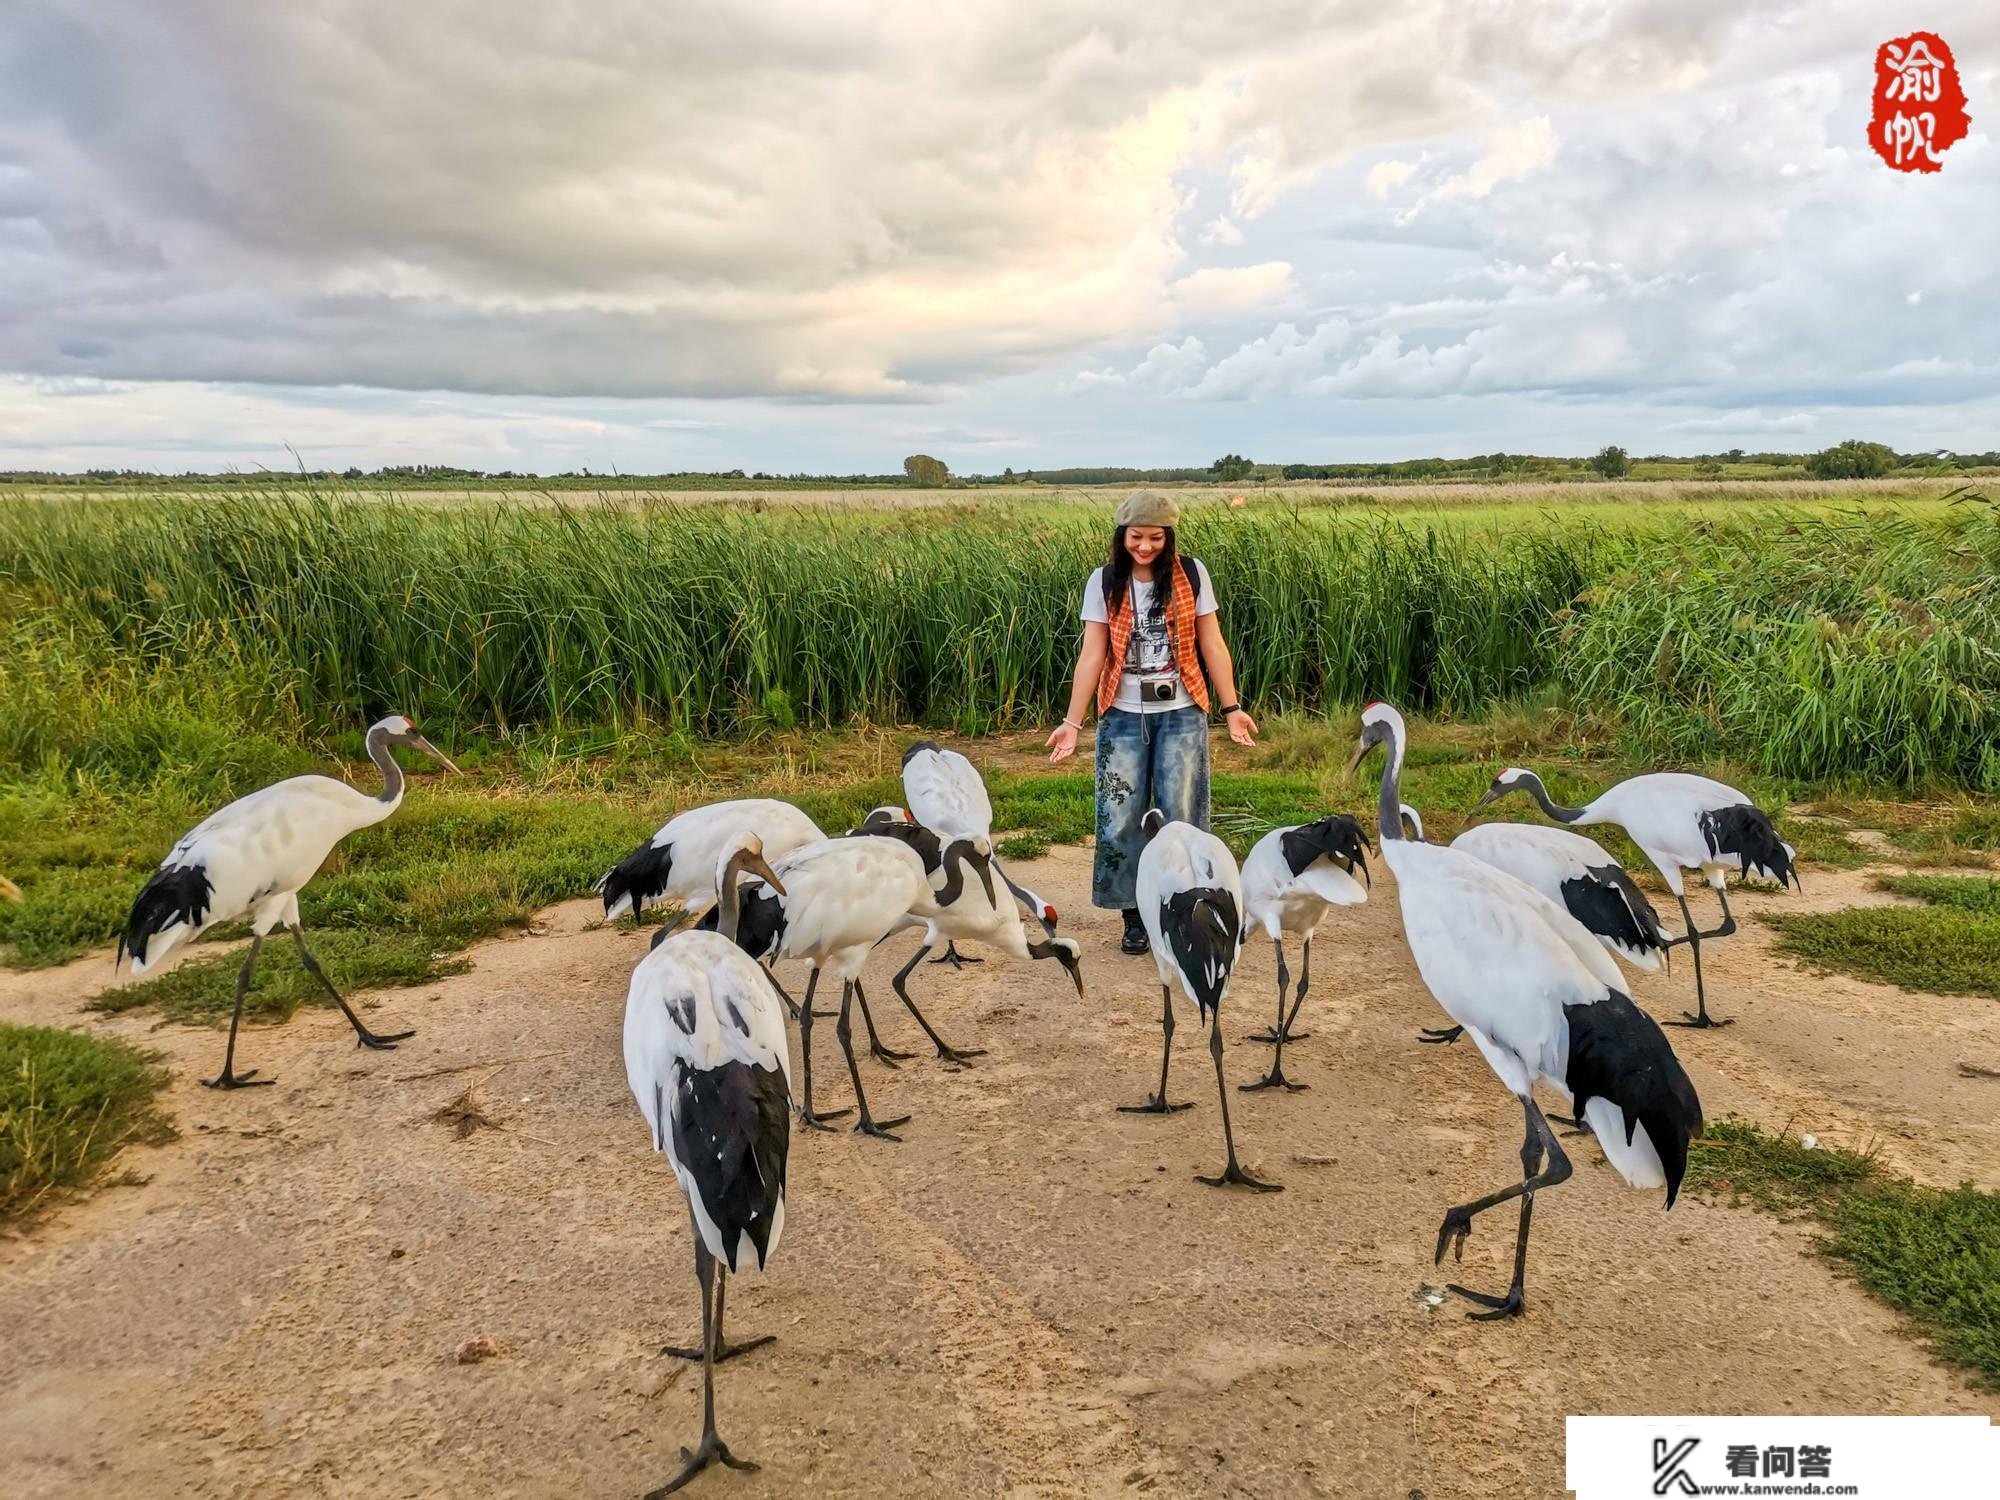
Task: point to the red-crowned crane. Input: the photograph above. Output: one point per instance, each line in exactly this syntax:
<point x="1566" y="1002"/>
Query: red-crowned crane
<point x="947" y="794"/>
<point x="840" y="898"/>
<point x="1679" y="822"/>
<point x="956" y="910"/>
<point x="250" y="859"/>
<point x="678" y="863"/>
<point x="1191" y="898"/>
<point x="706" y="1058"/>
<point x="1292" y="877"/>
<point x="1529" y="985"/>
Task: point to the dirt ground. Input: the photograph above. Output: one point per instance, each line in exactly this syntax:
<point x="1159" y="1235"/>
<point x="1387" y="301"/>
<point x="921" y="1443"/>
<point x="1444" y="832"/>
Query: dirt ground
<point x="1029" y="1296"/>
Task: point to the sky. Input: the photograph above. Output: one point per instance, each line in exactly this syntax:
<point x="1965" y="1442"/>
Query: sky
<point x="795" y="236"/>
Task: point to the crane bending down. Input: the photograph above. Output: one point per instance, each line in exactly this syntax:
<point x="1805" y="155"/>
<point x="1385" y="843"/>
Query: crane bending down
<point x="250" y="859"/>
<point x="1681" y="822"/>
<point x="1190" y="898"/>
<point x="1542" y="1002"/>
<point x="706" y="1059"/>
<point x="945" y="792"/>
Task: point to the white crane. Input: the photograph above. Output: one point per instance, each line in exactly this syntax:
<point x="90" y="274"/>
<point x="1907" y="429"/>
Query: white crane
<point x="946" y="793"/>
<point x="945" y="865"/>
<point x="1190" y="897"/>
<point x="839" y="898"/>
<point x="1292" y="877"/>
<point x="1543" y="1002"/>
<point x="706" y="1058"/>
<point x="250" y="859"/>
<point x="955" y="910"/>
<point x="678" y="863"/>
<point x="1679" y="822"/>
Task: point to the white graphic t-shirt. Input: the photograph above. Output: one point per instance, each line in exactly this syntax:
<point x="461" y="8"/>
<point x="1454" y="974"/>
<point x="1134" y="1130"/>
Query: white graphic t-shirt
<point x="1148" y="653"/>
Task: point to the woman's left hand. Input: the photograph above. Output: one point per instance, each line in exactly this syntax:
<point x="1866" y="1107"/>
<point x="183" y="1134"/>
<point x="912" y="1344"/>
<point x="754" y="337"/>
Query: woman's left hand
<point x="1242" y="728"/>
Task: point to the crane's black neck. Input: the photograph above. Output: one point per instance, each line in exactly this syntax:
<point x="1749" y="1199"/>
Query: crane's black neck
<point x="1534" y="788"/>
<point x="956" y="853"/>
<point x="1389" y="807"/>
<point x="385" y="762"/>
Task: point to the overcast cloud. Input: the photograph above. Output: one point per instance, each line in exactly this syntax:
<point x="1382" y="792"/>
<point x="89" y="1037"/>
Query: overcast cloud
<point x="793" y="235"/>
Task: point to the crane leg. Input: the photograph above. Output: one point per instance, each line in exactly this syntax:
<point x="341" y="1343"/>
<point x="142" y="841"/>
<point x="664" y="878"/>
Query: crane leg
<point x="1540" y="1144"/>
<point x="716" y="1345"/>
<point x="1233" y="1172"/>
<point x="1157" y="1103"/>
<point x="844" y="1029"/>
<point x="1276" y="1079"/>
<point x="363" y="1037"/>
<point x="882" y="1054"/>
<point x="816" y="1119"/>
<point x="711" y="1448"/>
<point x="1701" y="1018"/>
<point x="229" y="1078"/>
<point x="952" y="956"/>
<point x="791" y="1005"/>
<point x="944" y="1049"/>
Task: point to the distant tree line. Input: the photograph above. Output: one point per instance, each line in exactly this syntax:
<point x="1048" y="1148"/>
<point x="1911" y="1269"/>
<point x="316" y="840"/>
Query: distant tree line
<point x="1851" y="459"/>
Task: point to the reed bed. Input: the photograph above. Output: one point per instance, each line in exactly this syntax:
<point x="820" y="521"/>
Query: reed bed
<point x="1822" y="642"/>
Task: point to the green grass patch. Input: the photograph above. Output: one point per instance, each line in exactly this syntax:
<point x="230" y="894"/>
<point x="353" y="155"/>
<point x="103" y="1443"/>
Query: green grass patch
<point x="69" y="1104"/>
<point x="1949" y="946"/>
<point x="1932" y="1254"/>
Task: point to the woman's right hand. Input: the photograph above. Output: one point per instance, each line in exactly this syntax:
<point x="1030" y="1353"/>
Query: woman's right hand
<point x="1062" y="743"/>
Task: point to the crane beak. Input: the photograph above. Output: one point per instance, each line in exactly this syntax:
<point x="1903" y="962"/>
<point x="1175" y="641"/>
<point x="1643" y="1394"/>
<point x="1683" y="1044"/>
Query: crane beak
<point x="1075" y="967"/>
<point x="418" y="742"/>
<point x="1492" y="795"/>
<point x="8" y="890"/>
<point x="1361" y="749"/>
<point x="756" y="866"/>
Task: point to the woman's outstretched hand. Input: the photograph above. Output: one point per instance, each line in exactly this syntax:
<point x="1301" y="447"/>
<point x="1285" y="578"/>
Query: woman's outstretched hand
<point x="1062" y="743"/>
<point x="1242" y="728"/>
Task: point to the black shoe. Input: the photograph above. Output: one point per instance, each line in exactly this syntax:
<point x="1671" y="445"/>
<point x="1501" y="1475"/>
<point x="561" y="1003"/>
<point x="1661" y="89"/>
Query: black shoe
<point x="1135" y="940"/>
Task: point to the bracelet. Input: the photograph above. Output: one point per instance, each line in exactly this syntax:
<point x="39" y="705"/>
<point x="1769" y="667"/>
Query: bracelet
<point x="1230" y="708"/>
<point x="1074" y="725"/>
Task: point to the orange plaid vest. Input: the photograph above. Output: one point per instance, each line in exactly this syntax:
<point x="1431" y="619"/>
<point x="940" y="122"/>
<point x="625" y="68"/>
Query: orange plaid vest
<point x="1180" y="632"/>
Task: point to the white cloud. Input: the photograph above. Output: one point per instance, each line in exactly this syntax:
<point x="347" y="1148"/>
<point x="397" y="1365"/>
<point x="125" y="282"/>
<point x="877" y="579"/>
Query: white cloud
<point x="1221" y="230"/>
<point x="1217" y="290"/>
<point x="1519" y="151"/>
<point x="1386" y="176"/>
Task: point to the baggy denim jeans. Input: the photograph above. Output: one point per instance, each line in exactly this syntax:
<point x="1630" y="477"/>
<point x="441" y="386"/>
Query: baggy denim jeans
<point x="1144" y="761"/>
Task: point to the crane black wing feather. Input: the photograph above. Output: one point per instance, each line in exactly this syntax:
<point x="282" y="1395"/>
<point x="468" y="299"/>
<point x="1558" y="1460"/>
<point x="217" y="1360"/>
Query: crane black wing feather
<point x="1338" y="837"/>
<point x="732" y="1134"/>
<point x="173" y="896"/>
<point x="1618" y="1052"/>
<point x="1746" y="832"/>
<point x="1203" y="929"/>
<point x="641" y="875"/>
<point x="1605" y="901"/>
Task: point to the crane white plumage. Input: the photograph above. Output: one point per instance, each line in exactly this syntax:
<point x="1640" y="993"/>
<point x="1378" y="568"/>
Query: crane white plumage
<point x="678" y="863"/>
<point x="1680" y="822"/>
<point x="946" y="793"/>
<point x="250" y="860"/>
<point x="1543" y="1002"/>
<point x="1190" y="897"/>
<point x="840" y="898"/>
<point x="1579" y="875"/>
<point x="707" y="1061"/>
<point x="1292" y="877"/>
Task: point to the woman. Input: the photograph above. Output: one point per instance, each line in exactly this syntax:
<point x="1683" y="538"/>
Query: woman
<point x="1149" y="628"/>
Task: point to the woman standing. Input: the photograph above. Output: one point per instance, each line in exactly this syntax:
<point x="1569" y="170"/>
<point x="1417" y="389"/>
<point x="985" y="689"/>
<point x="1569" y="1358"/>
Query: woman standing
<point x="1149" y="628"/>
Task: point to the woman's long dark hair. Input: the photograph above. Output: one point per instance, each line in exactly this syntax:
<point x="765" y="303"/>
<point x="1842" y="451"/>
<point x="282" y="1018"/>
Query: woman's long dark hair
<point x="1118" y="574"/>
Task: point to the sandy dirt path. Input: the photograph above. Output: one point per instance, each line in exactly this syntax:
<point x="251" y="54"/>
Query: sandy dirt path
<point x="1028" y="1296"/>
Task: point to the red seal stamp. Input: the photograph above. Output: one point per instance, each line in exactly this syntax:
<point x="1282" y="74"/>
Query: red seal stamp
<point x="1919" y="105"/>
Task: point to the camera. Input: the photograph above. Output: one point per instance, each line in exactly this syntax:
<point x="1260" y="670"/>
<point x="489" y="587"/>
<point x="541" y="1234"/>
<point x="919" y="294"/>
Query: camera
<point x="1157" y="690"/>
